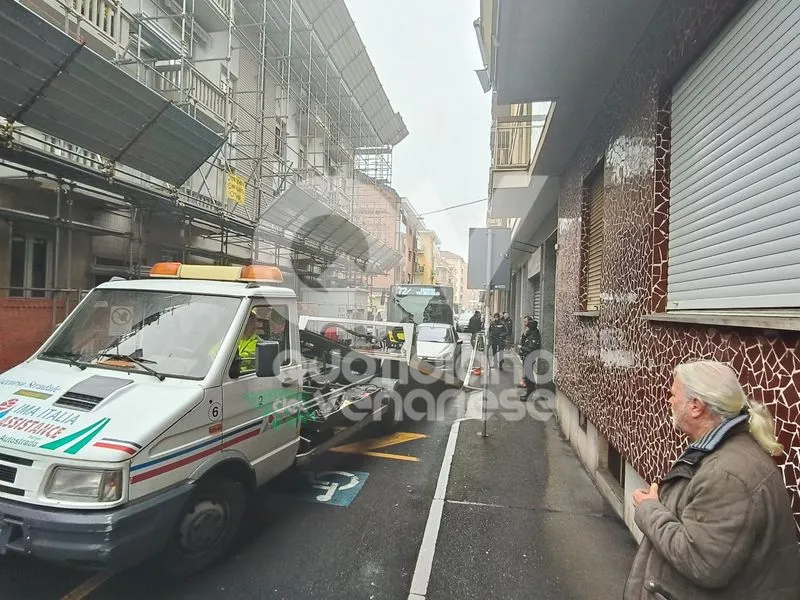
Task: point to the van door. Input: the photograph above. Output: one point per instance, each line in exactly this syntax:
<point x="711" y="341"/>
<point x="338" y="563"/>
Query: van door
<point x="260" y="414"/>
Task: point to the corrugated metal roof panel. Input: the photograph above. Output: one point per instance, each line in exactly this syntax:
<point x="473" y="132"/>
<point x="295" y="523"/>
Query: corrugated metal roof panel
<point x="53" y="84"/>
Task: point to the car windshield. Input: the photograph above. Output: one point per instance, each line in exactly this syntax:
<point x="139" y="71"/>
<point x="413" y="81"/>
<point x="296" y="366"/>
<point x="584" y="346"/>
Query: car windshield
<point x="171" y="334"/>
<point x="434" y="334"/>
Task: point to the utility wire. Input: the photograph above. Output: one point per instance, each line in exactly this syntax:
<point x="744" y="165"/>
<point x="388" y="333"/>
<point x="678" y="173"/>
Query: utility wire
<point x="451" y="207"/>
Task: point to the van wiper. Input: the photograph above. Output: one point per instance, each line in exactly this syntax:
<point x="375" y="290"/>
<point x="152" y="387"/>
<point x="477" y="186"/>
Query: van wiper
<point x="139" y="362"/>
<point x="70" y="358"/>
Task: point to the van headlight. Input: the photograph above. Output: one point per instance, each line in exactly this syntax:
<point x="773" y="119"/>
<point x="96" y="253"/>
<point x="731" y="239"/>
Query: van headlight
<point x="81" y="485"/>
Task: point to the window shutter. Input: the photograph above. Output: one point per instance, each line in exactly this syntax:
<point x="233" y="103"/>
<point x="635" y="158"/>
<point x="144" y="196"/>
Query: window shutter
<point x="734" y="242"/>
<point x="594" y="257"/>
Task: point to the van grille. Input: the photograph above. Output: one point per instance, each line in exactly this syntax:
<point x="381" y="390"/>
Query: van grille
<point x="13" y="491"/>
<point x="25" y="462"/>
<point x="8" y="473"/>
<point x="78" y="401"/>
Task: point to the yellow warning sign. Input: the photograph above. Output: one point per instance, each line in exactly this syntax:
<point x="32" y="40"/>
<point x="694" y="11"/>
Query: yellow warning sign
<point x="234" y="188"/>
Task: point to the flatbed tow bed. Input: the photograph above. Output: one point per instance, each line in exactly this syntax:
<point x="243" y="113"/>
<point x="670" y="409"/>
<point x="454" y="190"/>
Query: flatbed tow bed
<point x="340" y="395"/>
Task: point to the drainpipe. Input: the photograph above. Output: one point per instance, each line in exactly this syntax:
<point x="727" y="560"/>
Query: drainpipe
<point x="69" y="253"/>
<point x="56" y="254"/>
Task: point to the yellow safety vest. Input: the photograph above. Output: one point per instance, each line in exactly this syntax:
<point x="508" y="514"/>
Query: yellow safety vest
<point x="247" y="352"/>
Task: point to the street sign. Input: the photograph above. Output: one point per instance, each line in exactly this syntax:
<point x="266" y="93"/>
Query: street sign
<point x="489" y="267"/>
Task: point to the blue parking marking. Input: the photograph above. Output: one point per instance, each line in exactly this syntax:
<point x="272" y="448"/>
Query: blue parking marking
<point x="338" y="488"/>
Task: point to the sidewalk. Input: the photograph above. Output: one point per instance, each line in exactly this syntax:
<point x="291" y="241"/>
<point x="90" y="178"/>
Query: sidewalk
<point x="522" y="519"/>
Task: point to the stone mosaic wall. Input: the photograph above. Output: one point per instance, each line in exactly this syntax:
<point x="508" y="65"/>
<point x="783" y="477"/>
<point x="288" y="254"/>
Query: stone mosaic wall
<point x="617" y="367"/>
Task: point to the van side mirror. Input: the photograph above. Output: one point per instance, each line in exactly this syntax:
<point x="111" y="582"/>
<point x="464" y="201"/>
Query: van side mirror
<point x="267" y="358"/>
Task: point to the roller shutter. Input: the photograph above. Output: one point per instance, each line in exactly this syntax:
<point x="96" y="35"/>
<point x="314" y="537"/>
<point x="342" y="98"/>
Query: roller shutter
<point x="734" y="239"/>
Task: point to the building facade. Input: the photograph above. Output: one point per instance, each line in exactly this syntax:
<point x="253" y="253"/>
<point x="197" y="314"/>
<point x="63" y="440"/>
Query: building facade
<point x="457" y="278"/>
<point x="410" y="226"/>
<point x="427" y="250"/>
<point x="237" y="133"/>
<point x="664" y="159"/>
<point x="377" y="209"/>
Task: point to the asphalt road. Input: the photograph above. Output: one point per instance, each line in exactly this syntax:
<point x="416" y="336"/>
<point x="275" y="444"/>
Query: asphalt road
<point x="294" y="547"/>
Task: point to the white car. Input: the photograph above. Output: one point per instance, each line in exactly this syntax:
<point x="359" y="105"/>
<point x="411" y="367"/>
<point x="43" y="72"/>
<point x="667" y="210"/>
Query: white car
<point x="438" y="345"/>
<point x="462" y="323"/>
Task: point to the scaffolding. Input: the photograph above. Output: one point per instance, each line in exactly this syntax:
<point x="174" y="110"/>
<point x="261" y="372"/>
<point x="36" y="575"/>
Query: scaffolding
<point x="286" y="83"/>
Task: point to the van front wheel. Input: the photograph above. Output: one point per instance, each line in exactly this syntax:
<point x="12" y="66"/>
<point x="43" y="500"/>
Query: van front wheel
<point x="206" y="528"/>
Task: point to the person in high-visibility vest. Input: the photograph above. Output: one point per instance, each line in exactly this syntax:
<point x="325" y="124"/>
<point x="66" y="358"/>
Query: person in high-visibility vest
<point x="246" y="346"/>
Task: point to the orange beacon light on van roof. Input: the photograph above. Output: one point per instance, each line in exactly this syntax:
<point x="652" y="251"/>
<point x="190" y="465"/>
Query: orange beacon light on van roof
<point x="261" y="273"/>
<point x="249" y="273"/>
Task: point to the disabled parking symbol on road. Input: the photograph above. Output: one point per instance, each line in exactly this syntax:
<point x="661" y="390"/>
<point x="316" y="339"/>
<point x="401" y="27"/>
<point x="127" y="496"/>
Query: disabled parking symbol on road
<point x="338" y="488"/>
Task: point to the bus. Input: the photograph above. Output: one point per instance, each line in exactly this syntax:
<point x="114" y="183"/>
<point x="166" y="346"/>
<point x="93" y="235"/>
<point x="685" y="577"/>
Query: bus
<point x="420" y="303"/>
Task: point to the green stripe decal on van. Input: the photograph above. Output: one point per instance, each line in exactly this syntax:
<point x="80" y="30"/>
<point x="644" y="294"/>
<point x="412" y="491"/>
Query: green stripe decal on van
<point x="84" y="436"/>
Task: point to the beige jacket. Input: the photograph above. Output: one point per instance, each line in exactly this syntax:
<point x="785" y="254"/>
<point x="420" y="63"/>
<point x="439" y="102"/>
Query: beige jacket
<point x="722" y="528"/>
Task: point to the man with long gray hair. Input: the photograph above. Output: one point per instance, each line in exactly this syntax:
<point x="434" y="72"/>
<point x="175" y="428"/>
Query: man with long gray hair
<point x="720" y="523"/>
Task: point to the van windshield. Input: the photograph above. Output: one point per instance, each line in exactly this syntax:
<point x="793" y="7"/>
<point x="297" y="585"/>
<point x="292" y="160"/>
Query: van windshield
<point x="171" y="334"/>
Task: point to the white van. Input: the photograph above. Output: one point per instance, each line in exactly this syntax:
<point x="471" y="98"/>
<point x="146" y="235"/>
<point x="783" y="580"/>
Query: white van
<point x="142" y="424"/>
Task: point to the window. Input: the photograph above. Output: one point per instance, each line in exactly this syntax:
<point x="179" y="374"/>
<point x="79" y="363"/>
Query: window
<point x="593" y="237"/>
<point x="266" y="323"/>
<point x="30" y="266"/>
<point x="435" y="334"/>
<point x="280" y="139"/>
<point x="616" y="465"/>
<point x="734" y="189"/>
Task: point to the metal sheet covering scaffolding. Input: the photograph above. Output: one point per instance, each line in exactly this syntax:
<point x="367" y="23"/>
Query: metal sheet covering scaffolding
<point x="338" y="34"/>
<point x="62" y="88"/>
<point x="309" y="223"/>
<point x="288" y="84"/>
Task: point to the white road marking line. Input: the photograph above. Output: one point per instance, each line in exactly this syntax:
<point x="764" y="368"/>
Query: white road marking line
<point x="88" y="586"/>
<point x="467" y="503"/>
<point x="427" y="549"/>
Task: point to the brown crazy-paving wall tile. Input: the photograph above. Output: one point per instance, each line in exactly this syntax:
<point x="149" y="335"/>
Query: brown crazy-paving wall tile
<point x="617" y="367"/>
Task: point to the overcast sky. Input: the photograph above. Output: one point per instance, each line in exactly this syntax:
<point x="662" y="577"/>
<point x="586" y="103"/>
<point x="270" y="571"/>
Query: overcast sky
<point x="425" y="53"/>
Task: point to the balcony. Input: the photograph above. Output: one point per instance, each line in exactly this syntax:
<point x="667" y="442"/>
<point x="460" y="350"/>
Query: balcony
<point x="515" y="139"/>
<point x="511" y="146"/>
<point x="566" y="52"/>
<point x="101" y="23"/>
<point x="184" y="83"/>
<point x="211" y="15"/>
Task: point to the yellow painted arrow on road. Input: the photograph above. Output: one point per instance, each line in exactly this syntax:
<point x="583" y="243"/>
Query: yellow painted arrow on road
<point x="367" y="447"/>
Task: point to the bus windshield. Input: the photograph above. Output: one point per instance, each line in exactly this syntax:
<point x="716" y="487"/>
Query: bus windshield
<point x="421" y="304"/>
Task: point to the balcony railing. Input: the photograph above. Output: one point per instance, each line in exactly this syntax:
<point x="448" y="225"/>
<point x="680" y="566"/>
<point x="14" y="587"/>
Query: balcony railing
<point x="513" y="144"/>
<point x="102" y="23"/>
<point x="174" y="81"/>
<point x="224" y="6"/>
<point x="103" y="15"/>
